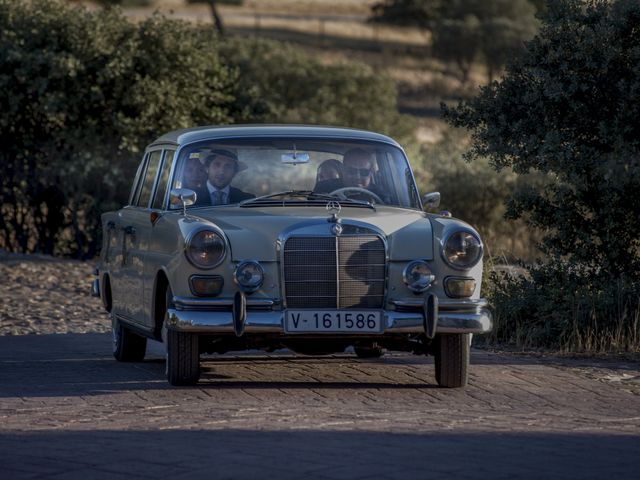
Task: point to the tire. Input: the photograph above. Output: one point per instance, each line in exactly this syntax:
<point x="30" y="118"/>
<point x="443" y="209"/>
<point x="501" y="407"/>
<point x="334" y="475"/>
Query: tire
<point x="369" y="352"/>
<point x="183" y="358"/>
<point x="127" y="346"/>
<point x="452" y="360"/>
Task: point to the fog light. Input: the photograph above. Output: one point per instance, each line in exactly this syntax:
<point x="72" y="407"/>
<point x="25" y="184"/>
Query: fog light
<point x="459" y="287"/>
<point x="206" y="285"/>
<point x="249" y="275"/>
<point x="417" y="276"/>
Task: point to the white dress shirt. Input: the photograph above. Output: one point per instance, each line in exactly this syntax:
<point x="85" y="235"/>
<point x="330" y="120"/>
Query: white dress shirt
<point x="225" y="193"/>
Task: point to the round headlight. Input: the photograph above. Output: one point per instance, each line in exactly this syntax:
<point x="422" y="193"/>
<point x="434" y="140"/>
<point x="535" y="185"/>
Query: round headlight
<point x="417" y="276"/>
<point x="462" y="250"/>
<point x="249" y="275"/>
<point x="205" y="249"/>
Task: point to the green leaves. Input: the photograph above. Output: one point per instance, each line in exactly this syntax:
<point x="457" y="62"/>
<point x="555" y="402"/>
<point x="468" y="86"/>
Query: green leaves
<point x="569" y="107"/>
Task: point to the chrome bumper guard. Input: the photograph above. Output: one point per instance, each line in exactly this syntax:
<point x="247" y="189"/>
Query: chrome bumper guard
<point x="453" y="316"/>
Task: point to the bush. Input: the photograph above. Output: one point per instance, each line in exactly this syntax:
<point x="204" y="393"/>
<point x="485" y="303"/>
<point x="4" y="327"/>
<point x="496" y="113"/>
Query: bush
<point x="560" y="306"/>
<point x="475" y="193"/>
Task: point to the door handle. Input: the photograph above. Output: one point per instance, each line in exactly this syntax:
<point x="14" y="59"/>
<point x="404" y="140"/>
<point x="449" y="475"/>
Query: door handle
<point x="129" y="230"/>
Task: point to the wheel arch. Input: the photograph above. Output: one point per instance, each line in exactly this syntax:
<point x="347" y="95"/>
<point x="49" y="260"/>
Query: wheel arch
<point x="160" y="286"/>
<point x="106" y="295"/>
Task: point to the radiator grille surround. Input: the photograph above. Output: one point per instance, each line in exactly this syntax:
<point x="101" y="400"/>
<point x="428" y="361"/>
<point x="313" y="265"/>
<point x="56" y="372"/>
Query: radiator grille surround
<point x="334" y="272"/>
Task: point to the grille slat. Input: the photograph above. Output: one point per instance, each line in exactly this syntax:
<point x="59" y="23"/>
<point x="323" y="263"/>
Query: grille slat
<point x="315" y="277"/>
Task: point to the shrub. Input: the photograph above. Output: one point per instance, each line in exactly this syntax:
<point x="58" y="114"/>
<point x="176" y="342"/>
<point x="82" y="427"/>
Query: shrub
<point x="560" y="306"/>
<point x="474" y="192"/>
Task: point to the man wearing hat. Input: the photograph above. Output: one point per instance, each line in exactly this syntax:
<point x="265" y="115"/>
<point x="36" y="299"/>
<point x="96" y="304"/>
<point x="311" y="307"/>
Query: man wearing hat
<point x="222" y="166"/>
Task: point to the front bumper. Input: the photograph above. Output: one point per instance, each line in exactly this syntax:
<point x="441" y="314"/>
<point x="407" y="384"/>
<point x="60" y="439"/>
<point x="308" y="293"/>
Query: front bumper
<point x="462" y="316"/>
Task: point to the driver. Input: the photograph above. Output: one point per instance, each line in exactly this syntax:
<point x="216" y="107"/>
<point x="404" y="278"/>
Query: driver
<point x="357" y="170"/>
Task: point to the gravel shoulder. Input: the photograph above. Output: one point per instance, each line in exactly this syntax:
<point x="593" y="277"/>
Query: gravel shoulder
<point x="41" y="294"/>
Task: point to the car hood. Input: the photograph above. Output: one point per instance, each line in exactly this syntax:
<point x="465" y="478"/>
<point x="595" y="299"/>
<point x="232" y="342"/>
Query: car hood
<point x="253" y="232"/>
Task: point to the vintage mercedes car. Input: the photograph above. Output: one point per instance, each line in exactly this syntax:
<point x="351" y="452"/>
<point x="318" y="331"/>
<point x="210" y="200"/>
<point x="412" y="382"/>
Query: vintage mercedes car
<point x="309" y="238"/>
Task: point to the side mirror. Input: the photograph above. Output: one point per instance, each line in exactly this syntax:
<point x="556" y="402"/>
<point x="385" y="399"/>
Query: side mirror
<point x="184" y="197"/>
<point x="431" y="201"/>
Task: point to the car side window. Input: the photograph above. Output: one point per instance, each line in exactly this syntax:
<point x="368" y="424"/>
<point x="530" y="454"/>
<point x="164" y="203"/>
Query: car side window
<point x="149" y="179"/>
<point x="135" y="190"/>
<point x="161" y="190"/>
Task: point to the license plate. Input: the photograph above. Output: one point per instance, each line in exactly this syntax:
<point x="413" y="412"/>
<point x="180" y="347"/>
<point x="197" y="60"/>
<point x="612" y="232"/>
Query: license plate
<point x="330" y="321"/>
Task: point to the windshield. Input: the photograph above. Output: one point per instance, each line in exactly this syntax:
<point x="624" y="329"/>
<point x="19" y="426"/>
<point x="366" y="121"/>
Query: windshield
<point x="255" y="172"/>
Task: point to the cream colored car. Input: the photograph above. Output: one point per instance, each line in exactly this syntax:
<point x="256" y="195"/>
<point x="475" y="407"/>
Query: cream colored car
<point x="308" y="238"/>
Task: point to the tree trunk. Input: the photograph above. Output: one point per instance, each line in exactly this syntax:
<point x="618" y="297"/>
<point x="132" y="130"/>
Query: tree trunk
<point x="217" y="20"/>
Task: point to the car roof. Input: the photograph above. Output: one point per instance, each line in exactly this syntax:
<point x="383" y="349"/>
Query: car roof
<point x="190" y="135"/>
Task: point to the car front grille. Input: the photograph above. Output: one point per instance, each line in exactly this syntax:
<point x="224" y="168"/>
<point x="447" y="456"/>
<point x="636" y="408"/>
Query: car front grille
<point x="334" y="272"/>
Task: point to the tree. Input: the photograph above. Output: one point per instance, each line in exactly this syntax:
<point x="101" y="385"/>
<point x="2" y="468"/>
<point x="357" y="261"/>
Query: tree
<point x="466" y="31"/>
<point x="569" y="108"/>
<point x="215" y="15"/>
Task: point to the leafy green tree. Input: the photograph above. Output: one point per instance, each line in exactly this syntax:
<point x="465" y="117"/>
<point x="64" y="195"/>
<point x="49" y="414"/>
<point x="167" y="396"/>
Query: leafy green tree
<point x="466" y="31"/>
<point x="569" y="107"/>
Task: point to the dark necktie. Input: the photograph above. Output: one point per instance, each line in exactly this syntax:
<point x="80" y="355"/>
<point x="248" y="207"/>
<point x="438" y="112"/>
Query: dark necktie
<point x="217" y="197"/>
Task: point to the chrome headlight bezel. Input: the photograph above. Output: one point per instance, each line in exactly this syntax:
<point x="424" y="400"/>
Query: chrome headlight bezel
<point x="444" y="244"/>
<point x="248" y="287"/>
<point x="416" y="286"/>
<point x="194" y="260"/>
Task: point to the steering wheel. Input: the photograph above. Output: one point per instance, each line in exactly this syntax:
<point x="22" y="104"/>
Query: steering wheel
<point x="342" y="193"/>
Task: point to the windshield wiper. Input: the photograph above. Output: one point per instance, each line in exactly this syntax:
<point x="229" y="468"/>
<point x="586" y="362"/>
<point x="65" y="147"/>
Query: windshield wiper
<point x="308" y="194"/>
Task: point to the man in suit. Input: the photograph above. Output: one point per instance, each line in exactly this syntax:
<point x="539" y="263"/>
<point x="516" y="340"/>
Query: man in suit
<point x="357" y="172"/>
<point x="221" y="166"/>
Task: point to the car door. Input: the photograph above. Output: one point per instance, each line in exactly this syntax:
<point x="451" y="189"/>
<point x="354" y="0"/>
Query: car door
<point x="161" y="234"/>
<point x="135" y="225"/>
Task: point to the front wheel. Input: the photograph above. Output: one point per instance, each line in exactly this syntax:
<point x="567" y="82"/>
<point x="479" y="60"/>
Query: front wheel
<point x="183" y="358"/>
<point x="452" y="359"/>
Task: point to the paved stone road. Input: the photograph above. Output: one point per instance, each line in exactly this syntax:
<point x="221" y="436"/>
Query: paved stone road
<point x="68" y="410"/>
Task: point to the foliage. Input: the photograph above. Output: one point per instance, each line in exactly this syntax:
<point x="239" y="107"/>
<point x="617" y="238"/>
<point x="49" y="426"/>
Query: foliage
<point x="83" y="93"/>
<point x="287" y="86"/>
<point x="418" y="13"/>
<point x="570" y="109"/>
<point x="475" y="193"/>
<point x="560" y="306"/>
<point x="466" y="31"/>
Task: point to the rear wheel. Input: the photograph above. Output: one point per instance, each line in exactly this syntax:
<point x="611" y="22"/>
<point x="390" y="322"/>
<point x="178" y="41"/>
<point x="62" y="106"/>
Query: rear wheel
<point x="127" y="346"/>
<point x="369" y="352"/>
<point x="452" y="360"/>
<point x="182" y="352"/>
